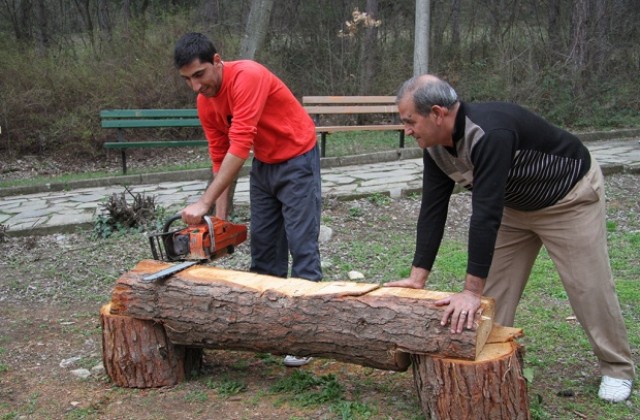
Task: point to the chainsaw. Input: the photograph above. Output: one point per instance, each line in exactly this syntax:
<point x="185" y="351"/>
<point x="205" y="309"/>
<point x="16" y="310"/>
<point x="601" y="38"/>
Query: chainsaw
<point x="193" y="244"/>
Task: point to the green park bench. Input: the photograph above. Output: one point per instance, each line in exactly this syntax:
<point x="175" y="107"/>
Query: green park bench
<point x="125" y="119"/>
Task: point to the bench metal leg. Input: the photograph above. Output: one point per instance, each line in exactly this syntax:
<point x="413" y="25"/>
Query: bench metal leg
<point x="401" y="139"/>
<point x="323" y="143"/>
<point x="124" y="161"/>
<point x="123" y="152"/>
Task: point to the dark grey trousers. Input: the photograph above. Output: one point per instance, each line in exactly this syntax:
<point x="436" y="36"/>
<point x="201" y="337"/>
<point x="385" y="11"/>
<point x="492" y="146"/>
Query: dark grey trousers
<point x="286" y="203"/>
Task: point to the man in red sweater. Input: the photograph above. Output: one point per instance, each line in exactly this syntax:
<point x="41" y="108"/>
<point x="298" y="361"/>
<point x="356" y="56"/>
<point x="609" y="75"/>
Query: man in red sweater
<point x="243" y="106"/>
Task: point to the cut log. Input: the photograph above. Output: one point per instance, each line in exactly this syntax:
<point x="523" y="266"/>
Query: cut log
<point x="490" y="387"/>
<point x="137" y="354"/>
<point x="358" y="323"/>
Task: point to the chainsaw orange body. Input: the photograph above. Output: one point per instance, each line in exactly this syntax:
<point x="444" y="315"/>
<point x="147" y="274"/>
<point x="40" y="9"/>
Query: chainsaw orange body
<point x="206" y="241"/>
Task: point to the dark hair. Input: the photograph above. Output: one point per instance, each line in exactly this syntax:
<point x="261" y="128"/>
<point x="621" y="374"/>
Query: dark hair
<point x="426" y="91"/>
<point x="191" y="46"/>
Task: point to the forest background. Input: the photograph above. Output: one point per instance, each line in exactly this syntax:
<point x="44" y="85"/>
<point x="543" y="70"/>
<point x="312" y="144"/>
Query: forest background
<point x="576" y="62"/>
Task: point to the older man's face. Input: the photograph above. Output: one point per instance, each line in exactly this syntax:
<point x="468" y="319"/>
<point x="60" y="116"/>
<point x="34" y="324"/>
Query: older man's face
<point x="427" y="130"/>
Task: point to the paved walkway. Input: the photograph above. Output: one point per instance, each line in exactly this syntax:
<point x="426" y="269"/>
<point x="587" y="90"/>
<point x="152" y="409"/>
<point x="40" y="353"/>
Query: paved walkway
<point x="65" y="211"/>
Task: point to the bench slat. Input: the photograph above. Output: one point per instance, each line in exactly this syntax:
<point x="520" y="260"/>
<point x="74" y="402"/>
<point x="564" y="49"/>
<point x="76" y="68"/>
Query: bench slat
<point x="340" y="128"/>
<point x="351" y="109"/>
<point x="312" y="100"/>
<point x="152" y="123"/>
<point x="146" y="144"/>
<point x="149" y="113"/>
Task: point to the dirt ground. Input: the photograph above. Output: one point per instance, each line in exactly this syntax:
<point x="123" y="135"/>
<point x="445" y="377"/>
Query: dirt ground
<point x="52" y="287"/>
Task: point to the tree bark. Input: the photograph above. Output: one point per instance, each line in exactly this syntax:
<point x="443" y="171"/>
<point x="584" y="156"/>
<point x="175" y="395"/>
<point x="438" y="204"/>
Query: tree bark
<point x="421" y="46"/>
<point x="490" y="387"/>
<point x="41" y="27"/>
<point x="256" y="30"/>
<point x="368" y="51"/>
<point x="351" y="322"/>
<point x="104" y="21"/>
<point x="137" y="353"/>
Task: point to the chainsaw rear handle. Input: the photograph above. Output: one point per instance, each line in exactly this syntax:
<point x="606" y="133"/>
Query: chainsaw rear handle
<point x="169" y="222"/>
<point x="159" y="251"/>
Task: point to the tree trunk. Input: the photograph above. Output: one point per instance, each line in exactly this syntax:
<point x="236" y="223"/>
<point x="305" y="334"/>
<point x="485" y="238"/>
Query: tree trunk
<point x="256" y="30"/>
<point x="137" y="353"/>
<point x="490" y="387"/>
<point x="455" y="31"/>
<point x="421" y="46"/>
<point x="104" y="22"/>
<point x="352" y="322"/>
<point x="554" y="29"/>
<point x="578" y="53"/>
<point x="368" y="51"/>
<point x="41" y="27"/>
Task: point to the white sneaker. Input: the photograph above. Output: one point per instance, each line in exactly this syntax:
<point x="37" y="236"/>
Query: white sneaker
<point x="614" y="390"/>
<point x="295" y="361"/>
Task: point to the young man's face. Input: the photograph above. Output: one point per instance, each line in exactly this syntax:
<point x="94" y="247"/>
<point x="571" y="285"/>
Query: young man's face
<point x="427" y="130"/>
<point x="204" y="78"/>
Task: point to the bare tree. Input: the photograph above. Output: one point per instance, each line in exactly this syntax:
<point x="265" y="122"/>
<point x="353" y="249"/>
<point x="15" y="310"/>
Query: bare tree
<point x="369" y="50"/>
<point x="41" y="27"/>
<point x="421" y="43"/>
<point x="104" y="22"/>
<point x="84" y="10"/>
<point x="578" y="49"/>
<point x="599" y="41"/>
<point x="256" y="29"/>
<point x="18" y="14"/>
<point x="455" y="28"/>
<point x="554" y="29"/>
<point x="211" y="11"/>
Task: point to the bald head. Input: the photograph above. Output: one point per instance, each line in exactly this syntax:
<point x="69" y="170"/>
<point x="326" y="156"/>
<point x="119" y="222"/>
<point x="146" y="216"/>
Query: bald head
<point x="427" y="90"/>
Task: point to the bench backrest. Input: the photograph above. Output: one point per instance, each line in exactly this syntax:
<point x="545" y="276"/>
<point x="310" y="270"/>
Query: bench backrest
<point x="321" y="105"/>
<point x="149" y="118"/>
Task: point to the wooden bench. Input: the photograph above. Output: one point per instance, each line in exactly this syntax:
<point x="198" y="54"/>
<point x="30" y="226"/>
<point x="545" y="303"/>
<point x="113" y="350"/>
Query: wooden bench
<point x="124" y="119"/>
<point x="323" y="107"/>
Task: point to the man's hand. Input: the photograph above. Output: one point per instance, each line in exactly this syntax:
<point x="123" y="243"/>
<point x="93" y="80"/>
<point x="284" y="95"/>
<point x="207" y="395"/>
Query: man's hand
<point x="463" y="308"/>
<point x="217" y="192"/>
<point x="192" y="214"/>
<point x="416" y="280"/>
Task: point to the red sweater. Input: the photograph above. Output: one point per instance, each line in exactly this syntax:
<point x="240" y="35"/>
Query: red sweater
<point x="254" y="109"/>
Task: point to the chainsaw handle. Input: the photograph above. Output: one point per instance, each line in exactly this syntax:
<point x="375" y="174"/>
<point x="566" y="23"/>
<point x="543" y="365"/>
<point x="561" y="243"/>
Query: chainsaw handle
<point x="212" y="236"/>
<point x="169" y="222"/>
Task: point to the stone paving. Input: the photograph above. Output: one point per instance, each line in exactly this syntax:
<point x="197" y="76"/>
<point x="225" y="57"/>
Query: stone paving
<point x="65" y="211"/>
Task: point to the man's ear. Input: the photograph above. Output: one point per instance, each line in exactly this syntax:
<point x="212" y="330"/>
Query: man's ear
<point x="439" y="111"/>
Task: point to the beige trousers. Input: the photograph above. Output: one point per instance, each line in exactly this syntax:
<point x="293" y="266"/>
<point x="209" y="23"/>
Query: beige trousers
<point x="574" y="233"/>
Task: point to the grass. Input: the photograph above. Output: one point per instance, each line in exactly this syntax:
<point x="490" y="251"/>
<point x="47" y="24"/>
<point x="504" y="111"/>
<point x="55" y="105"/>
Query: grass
<point x="558" y="357"/>
<point x="557" y="348"/>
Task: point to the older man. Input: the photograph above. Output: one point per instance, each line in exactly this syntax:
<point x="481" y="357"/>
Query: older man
<point x="532" y="184"/>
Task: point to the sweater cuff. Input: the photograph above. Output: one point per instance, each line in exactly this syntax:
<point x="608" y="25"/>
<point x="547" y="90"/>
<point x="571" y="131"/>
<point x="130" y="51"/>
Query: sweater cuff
<point x="479" y="270"/>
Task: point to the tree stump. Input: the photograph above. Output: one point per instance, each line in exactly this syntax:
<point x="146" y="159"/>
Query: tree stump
<point x="137" y="353"/>
<point x="490" y="387"/>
